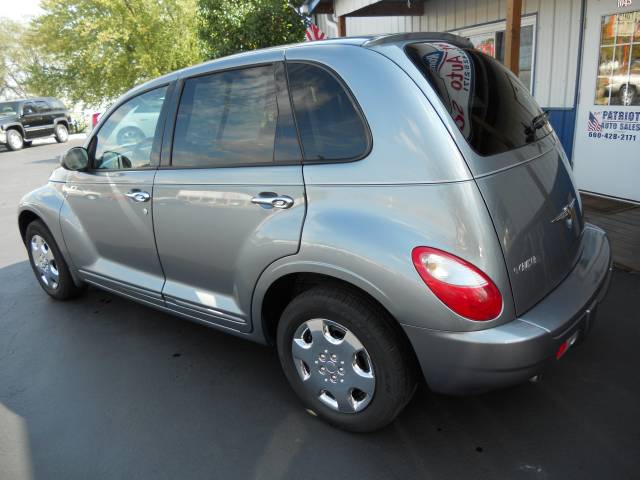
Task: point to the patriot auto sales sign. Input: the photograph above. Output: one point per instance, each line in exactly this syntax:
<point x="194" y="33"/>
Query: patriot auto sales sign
<point x="614" y="125"/>
<point x="453" y="69"/>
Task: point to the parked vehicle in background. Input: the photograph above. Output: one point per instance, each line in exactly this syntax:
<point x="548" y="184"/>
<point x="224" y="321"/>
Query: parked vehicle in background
<point x="376" y="207"/>
<point x="625" y="85"/>
<point x="22" y="121"/>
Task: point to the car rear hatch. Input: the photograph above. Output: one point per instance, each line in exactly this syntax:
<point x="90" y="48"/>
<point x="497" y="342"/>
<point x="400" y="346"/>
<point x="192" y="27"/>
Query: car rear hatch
<point x="516" y="160"/>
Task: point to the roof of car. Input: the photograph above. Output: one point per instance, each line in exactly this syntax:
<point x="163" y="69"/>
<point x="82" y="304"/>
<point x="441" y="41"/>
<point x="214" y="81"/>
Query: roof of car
<point x="366" y="41"/>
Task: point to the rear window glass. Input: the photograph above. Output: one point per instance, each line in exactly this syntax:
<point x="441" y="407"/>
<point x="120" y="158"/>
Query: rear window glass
<point x="494" y="111"/>
<point x="331" y="128"/>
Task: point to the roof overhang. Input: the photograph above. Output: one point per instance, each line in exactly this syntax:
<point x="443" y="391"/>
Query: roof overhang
<point x="370" y="8"/>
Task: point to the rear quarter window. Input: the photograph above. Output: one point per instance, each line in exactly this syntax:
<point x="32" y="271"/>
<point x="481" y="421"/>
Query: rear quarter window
<point x="493" y="110"/>
<point x="330" y="124"/>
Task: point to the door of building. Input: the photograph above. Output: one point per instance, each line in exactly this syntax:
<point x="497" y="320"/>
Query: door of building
<point x="607" y="138"/>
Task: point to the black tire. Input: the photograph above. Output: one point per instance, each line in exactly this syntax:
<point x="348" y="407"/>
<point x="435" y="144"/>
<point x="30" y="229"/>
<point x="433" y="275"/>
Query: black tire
<point x="389" y="352"/>
<point x="65" y="288"/>
<point x="15" y="140"/>
<point x="61" y="133"/>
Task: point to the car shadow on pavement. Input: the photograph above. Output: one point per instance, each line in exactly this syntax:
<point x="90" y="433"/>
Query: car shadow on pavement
<point x="103" y="387"/>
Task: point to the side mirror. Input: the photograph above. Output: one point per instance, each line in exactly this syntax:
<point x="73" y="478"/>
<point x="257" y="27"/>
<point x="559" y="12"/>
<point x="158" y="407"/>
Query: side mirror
<point x="76" y="158"/>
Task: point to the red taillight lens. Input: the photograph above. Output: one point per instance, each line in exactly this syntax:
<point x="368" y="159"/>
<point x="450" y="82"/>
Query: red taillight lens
<point x="458" y="284"/>
<point x="94" y="119"/>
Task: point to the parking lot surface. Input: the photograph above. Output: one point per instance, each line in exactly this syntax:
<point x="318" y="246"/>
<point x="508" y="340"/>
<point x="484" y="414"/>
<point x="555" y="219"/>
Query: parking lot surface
<point x="101" y="387"/>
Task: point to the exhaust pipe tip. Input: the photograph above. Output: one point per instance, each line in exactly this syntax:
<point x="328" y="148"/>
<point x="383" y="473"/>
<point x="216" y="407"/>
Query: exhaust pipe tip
<point x="536" y="379"/>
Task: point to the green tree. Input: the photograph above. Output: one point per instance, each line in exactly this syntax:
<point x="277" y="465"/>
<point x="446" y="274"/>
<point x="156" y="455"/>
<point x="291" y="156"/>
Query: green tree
<point x="15" y="59"/>
<point x="92" y="51"/>
<point x="230" y="26"/>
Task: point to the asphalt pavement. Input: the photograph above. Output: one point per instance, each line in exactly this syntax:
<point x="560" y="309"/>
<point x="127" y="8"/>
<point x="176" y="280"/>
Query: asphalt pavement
<point x="101" y="387"/>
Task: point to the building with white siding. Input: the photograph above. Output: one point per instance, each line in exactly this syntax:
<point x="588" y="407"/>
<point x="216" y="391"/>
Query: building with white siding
<point x="580" y="58"/>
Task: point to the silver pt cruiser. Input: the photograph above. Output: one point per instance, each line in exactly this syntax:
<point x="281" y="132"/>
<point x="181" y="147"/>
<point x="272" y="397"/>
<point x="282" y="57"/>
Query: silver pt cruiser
<point x="382" y="209"/>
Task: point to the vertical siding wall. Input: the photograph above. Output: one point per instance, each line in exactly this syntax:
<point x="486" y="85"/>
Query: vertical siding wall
<point x="557" y="35"/>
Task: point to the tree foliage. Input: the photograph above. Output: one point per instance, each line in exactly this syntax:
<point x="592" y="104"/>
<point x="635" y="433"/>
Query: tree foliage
<point x="94" y="50"/>
<point x="230" y="26"/>
<point x="15" y="59"/>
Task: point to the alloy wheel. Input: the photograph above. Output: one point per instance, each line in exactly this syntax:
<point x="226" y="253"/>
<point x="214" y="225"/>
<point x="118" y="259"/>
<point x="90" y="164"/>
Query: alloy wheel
<point x="62" y="133"/>
<point x="15" y="142"/>
<point x="45" y="262"/>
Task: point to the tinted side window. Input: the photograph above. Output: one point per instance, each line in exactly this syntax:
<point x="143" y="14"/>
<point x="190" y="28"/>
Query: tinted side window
<point x="42" y="106"/>
<point x="57" y="104"/>
<point x="127" y="137"/>
<point x="494" y="111"/>
<point x="28" y="108"/>
<point x="227" y="119"/>
<point x="331" y="128"/>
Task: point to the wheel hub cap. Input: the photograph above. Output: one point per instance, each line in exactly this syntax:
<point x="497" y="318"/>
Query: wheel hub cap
<point x="44" y="262"/>
<point x="333" y="365"/>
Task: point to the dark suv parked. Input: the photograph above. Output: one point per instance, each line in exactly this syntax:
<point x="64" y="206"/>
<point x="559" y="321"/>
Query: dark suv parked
<point x="23" y="120"/>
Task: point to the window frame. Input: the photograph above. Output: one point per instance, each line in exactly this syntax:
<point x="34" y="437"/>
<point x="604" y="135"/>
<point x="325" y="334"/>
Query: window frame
<point x="168" y="146"/>
<point x="354" y="103"/>
<point x="501" y="26"/>
<point x="156" y="149"/>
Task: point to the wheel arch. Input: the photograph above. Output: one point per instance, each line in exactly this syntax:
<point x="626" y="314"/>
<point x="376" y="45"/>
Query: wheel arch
<point x="15" y="126"/>
<point x="25" y="217"/>
<point x="61" y="120"/>
<point x="273" y="299"/>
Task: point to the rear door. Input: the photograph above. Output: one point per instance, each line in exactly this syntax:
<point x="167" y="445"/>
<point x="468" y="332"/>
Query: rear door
<point x="46" y="121"/>
<point x="231" y="198"/>
<point x="517" y="161"/>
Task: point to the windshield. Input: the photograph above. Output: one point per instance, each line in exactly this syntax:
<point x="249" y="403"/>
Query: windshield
<point x="9" y="108"/>
<point x="494" y="111"/>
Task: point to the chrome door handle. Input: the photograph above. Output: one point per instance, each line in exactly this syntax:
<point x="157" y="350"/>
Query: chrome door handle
<point x="138" y="196"/>
<point x="272" y="200"/>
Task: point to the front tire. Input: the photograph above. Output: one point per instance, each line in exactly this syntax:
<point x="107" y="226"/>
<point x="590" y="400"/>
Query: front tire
<point x="15" y="141"/>
<point x="48" y="264"/>
<point x="345" y="359"/>
<point x="61" y="133"/>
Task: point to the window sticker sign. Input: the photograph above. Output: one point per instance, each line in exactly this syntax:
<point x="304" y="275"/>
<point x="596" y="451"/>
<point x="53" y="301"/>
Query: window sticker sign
<point x="453" y="69"/>
<point x="614" y="125"/>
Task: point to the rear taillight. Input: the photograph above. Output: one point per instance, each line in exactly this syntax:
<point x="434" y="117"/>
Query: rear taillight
<point x="94" y="119"/>
<point x="461" y="286"/>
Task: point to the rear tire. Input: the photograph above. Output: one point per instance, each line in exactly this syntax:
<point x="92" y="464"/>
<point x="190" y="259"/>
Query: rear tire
<point x="358" y="392"/>
<point x="61" y="133"/>
<point x="48" y="264"/>
<point x="15" y="141"/>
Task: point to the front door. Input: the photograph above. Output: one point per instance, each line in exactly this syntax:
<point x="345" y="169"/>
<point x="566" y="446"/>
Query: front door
<point x="233" y="200"/>
<point x="607" y="137"/>
<point x="32" y="120"/>
<point x="109" y="229"/>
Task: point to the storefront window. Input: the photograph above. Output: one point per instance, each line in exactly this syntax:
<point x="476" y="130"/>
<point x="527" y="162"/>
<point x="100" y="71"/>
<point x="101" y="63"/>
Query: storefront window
<point x="493" y="44"/>
<point x="618" y="76"/>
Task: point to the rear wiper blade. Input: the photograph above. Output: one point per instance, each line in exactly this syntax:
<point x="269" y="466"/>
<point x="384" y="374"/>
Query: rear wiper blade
<point x="537" y="122"/>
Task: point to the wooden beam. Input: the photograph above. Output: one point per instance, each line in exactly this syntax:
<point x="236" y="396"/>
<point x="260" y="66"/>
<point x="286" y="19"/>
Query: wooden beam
<point x="512" y="36"/>
<point x="342" y="26"/>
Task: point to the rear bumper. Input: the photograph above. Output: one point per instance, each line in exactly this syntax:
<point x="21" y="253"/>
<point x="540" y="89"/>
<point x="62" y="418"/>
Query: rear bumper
<point x="474" y="362"/>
